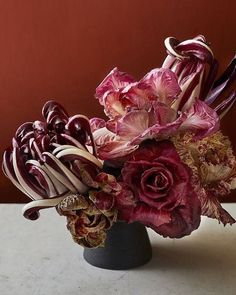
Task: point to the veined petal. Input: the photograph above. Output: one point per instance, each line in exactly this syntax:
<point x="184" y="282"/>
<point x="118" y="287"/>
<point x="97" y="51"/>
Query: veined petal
<point x="102" y="136"/>
<point x="159" y="132"/>
<point x="31" y="210"/>
<point x="36" y="192"/>
<point x="8" y="170"/>
<point x="161" y="114"/>
<point x="97" y="123"/>
<point x="73" y="141"/>
<point x="51" y="109"/>
<point x="113" y="107"/>
<point x="149" y="216"/>
<point x="115" y="149"/>
<point x="132" y="124"/>
<point x="223" y="108"/>
<point x="24" y="131"/>
<point x="60" y="188"/>
<point x="113" y="82"/>
<point x="212" y="208"/>
<point x="201" y="119"/>
<point x="80" y="153"/>
<point x="164" y="84"/>
<point x="79" y="128"/>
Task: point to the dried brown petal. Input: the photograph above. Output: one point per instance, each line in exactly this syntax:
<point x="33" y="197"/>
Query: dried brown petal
<point x="72" y="203"/>
<point x="214" y="171"/>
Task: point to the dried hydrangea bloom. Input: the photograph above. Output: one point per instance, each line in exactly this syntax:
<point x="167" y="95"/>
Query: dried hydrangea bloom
<point x="87" y="222"/>
<point x="214" y="171"/>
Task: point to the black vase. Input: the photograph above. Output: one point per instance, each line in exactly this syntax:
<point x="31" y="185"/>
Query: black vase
<point x="127" y="246"/>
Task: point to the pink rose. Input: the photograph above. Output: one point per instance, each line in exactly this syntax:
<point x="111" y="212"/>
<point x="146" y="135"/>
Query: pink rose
<point x="161" y="187"/>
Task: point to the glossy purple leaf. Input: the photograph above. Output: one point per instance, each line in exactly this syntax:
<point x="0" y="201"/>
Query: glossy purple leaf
<point x="221" y="84"/>
<point x="209" y="81"/>
<point x="223" y="108"/>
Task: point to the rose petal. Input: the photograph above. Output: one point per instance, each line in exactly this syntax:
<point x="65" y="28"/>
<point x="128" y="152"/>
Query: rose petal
<point x="144" y="214"/>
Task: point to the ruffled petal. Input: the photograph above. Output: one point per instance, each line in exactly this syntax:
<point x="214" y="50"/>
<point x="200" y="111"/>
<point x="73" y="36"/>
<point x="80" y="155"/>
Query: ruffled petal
<point x="164" y="85"/>
<point x="201" y="119"/>
<point x="115" y="149"/>
<point x="132" y="124"/>
<point x="146" y="215"/>
<point x="113" y="106"/>
<point x="113" y="82"/>
<point x="97" y="123"/>
<point x="102" y="136"/>
<point x="159" y="132"/>
<point x="212" y="208"/>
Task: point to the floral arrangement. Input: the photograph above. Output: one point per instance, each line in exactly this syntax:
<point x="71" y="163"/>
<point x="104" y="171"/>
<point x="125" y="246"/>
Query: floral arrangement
<point x="159" y="159"/>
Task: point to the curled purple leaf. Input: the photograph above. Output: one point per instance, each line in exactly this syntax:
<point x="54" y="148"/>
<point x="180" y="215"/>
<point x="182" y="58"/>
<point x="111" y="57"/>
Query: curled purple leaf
<point x="223" y="82"/>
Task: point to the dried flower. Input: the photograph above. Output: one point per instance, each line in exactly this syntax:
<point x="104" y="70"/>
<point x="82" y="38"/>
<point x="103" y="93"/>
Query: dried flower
<point x="214" y="171"/>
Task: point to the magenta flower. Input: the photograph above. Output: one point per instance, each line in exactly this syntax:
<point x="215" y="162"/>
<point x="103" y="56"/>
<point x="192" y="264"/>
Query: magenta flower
<point x="173" y="99"/>
<point x="150" y="115"/>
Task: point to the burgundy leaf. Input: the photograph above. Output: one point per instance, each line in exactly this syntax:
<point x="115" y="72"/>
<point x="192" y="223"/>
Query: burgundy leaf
<point x="223" y="82"/>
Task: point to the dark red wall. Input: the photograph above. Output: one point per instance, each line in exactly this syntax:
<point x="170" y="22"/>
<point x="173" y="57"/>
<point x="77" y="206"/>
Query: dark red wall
<point x="62" y="49"/>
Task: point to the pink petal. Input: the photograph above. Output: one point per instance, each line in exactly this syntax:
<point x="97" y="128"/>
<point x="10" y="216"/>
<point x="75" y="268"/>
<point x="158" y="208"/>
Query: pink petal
<point x="97" y="123"/>
<point x="161" y="114"/>
<point x="113" y="82"/>
<point x="132" y="124"/>
<point x="201" y="119"/>
<point x="115" y="149"/>
<point x="102" y="136"/>
<point x="138" y="95"/>
<point x="164" y="84"/>
<point x="159" y="132"/>
<point x="113" y="106"/>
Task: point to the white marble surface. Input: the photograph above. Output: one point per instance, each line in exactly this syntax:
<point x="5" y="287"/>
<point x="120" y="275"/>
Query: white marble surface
<point x="39" y="258"/>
